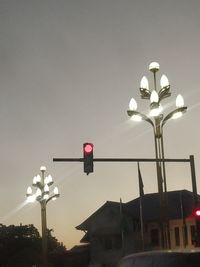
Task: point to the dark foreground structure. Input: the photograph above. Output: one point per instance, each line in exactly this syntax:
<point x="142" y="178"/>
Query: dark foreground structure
<point x="117" y="229"/>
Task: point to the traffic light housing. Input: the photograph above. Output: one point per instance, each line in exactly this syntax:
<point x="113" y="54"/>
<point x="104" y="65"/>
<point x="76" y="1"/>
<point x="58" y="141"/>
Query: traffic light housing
<point x="88" y="157"/>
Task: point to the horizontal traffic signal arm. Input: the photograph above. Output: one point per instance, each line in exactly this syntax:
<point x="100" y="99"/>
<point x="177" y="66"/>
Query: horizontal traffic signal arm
<point x="120" y="160"/>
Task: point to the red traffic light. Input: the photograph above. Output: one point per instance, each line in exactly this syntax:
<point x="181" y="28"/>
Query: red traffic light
<point x="88" y="148"/>
<point x="196" y="213"/>
<point x="88" y="157"/>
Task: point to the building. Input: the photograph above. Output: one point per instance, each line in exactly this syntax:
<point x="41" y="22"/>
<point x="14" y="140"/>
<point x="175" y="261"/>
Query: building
<point x="114" y="230"/>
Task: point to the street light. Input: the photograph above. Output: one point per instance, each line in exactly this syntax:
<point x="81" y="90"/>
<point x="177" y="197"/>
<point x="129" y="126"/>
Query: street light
<point x="43" y="196"/>
<point x="157" y="120"/>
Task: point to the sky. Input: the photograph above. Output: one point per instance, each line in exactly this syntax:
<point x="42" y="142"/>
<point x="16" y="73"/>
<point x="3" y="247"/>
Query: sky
<point x="68" y="69"/>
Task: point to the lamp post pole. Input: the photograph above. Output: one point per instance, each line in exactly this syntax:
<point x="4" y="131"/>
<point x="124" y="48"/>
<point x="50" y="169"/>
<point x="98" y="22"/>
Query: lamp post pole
<point x="44" y="224"/>
<point x="157" y="120"/>
<point x="43" y="196"/>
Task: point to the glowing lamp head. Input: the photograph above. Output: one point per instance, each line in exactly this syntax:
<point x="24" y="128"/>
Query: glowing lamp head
<point x="132" y="104"/>
<point x="31" y="199"/>
<point x="38" y="179"/>
<point x="43" y="168"/>
<point x="154" y="98"/>
<point x="156" y="109"/>
<point x="29" y="191"/>
<point x="136" y="117"/>
<point x="154" y="66"/>
<point x="155" y="112"/>
<point x="55" y="191"/>
<point x="35" y="180"/>
<point x="48" y="180"/>
<point x="164" y="82"/>
<point x="46" y="188"/>
<point x="144" y="83"/>
<point x="38" y="192"/>
<point x="177" y="115"/>
<point x="179" y="101"/>
<point x="46" y="196"/>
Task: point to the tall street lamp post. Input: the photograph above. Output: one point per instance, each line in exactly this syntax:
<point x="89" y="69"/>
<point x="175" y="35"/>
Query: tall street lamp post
<point x="157" y="120"/>
<point x="43" y="196"/>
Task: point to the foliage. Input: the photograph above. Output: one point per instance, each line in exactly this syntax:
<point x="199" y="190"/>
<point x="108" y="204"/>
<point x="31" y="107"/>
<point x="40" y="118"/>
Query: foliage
<point x="21" y="246"/>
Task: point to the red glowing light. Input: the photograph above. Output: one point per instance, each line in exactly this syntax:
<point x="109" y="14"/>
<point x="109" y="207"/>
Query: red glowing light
<point x="197" y="213"/>
<point x="88" y="148"/>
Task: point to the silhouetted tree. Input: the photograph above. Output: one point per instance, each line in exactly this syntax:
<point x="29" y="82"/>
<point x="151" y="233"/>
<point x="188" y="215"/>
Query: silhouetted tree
<point x="21" y="246"/>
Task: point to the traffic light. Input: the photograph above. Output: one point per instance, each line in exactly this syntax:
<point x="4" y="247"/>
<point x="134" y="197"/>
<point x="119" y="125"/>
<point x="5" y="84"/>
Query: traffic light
<point x="88" y="157"/>
<point x="196" y="213"/>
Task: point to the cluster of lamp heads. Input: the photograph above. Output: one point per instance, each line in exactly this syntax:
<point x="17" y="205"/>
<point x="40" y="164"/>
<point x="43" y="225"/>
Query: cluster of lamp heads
<point x="155" y="96"/>
<point x="42" y="185"/>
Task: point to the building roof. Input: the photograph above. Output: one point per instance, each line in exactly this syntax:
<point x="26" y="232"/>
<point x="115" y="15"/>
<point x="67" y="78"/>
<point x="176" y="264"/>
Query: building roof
<point x="180" y="204"/>
<point x="109" y="205"/>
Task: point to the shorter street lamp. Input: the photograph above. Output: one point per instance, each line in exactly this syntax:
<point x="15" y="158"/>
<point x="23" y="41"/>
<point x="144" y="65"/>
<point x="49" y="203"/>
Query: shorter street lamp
<point x="43" y="195"/>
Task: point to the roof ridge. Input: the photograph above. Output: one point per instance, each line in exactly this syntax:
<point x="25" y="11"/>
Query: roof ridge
<point x="156" y="193"/>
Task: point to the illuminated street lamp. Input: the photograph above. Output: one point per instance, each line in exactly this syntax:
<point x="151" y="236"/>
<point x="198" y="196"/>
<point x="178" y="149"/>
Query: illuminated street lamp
<point x="43" y="196"/>
<point x="157" y="120"/>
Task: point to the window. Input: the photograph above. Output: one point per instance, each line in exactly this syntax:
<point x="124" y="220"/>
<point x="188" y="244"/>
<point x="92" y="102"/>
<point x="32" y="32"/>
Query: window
<point x="108" y="243"/>
<point x="112" y="242"/>
<point x="146" y="227"/>
<point x="117" y="242"/>
<point x="135" y="226"/>
<point x="177" y="236"/>
<point x="154" y="237"/>
<point x="185" y="235"/>
<point x="193" y="233"/>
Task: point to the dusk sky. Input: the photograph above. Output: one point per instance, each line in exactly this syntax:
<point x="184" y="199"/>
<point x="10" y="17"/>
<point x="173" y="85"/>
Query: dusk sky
<point x="68" y="69"/>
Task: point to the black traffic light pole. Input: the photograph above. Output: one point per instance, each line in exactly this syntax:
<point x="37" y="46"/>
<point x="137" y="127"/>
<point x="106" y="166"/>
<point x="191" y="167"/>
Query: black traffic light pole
<point x="196" y="201"/>
<point x="190" y="160"/>
<point x="120" y="160"/>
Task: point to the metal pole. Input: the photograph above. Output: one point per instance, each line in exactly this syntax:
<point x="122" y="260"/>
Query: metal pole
<point x="160" y="181"/>
<point x="183" y="221"/>
<point x="120" y="160"/>
<point x="196" y="202"/>
<point x="122" y="227"/>
<point x="158" y="148"/>
<point x="163" y="164"/>
<point x="44" y="226"/>
<point x="141" y="223"/>
<point x="168" y="239"/>
<point x="44" y="234"/>
<point x="159" y="176"/>
<point x="194" y="184"/>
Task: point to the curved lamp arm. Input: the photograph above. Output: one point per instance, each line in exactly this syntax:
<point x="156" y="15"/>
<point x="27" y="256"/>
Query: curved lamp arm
<point x="55" y="196"/>
<point x="171" y="114"/>
<point x="143" y="117"/>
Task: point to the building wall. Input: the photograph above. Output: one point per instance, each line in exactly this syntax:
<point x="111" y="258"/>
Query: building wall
<point x="181" y="235"/>
<point x="106" y="253"/>
<point x="186" y="238"/>
<point x="108" y="229"/>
